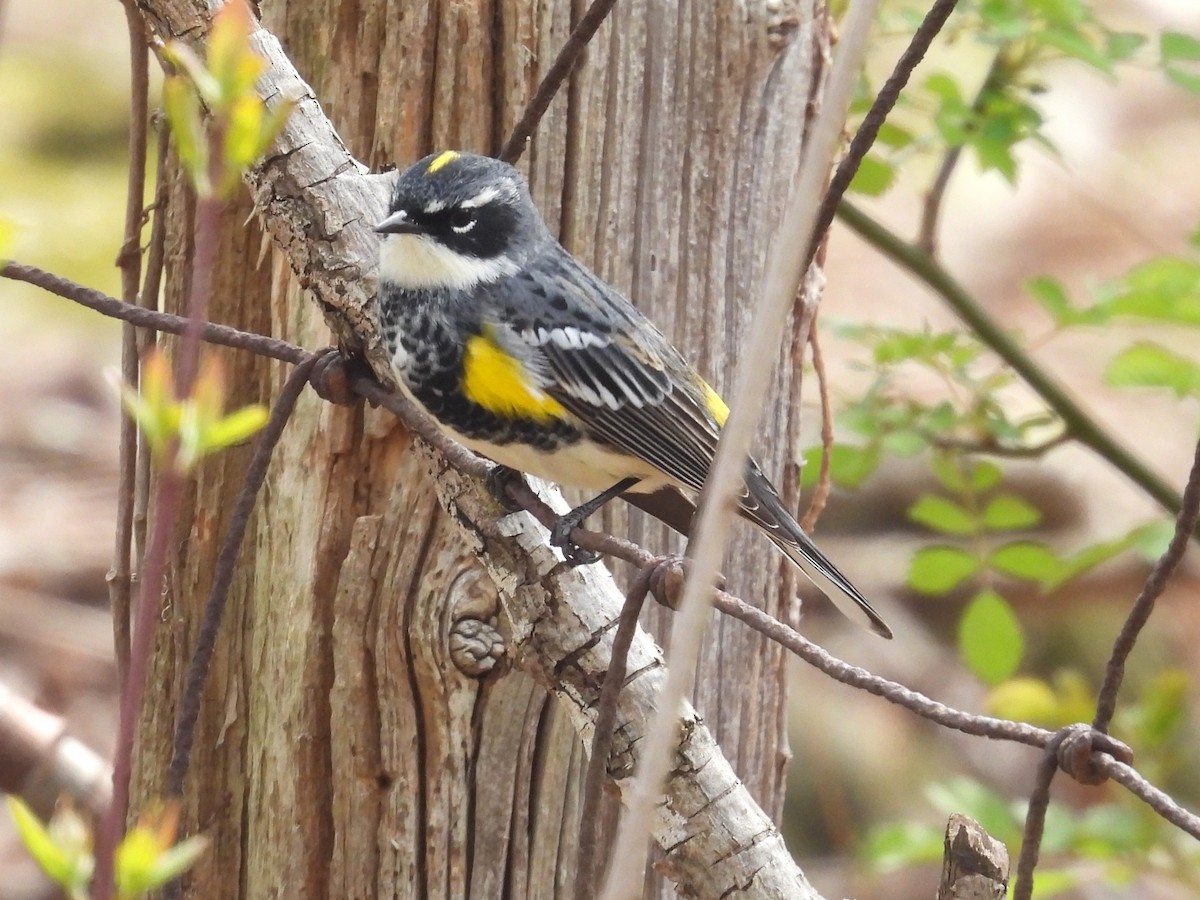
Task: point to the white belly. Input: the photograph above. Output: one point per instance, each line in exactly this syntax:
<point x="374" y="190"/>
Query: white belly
<point x="585" y="465"/>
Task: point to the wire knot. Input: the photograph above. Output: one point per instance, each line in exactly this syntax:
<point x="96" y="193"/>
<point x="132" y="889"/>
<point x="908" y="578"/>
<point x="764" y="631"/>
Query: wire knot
<point x="1076" y="747"/>
<point x="330" y="378"/>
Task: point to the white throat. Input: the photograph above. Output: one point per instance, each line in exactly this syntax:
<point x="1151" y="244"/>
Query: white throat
<point x="417" y="261"/>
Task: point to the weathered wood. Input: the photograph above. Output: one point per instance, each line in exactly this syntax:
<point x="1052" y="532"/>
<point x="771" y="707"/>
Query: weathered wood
<point x="356" y="741"/>
<point x="975" y="864"/>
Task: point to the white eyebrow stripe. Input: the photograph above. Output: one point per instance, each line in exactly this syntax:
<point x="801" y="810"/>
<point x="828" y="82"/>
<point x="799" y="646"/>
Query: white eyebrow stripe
<point x="487" y="195"/>
<point x="435" y="206"/>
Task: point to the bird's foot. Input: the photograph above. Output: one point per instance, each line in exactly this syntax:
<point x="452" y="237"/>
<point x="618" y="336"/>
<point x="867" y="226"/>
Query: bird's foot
<point x="560" y="537"/>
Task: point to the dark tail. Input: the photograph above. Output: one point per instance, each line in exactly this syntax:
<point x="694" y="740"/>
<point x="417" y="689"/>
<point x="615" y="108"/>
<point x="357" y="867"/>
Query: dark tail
<point x="763" y="507"/>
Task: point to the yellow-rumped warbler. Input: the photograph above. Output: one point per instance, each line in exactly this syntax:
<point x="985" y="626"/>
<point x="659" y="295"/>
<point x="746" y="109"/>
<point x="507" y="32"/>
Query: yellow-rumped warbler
<point x="525" y="356"/>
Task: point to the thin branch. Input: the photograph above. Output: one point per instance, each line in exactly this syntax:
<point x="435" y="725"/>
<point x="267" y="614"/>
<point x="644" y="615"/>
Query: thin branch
<point x="112" y="825"/>
<point x="588" y="866"/>
<point x="568" y="57"/>
<point x="210" y="623"/>
<point x="786" y="267"/>
<point x="820" y="496"/>
<point x="130" y="263"/>
<point x="146" y="339"/>
<point x="993" y="447"/>
<point x="864" y="138"/>
<point x="1078" y="423"/>
<point x="1185" y="528"/>
<point x="932" y="206"/>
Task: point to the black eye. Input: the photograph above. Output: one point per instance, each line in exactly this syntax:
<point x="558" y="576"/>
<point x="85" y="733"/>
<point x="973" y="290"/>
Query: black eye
<point x="462" y="220"/>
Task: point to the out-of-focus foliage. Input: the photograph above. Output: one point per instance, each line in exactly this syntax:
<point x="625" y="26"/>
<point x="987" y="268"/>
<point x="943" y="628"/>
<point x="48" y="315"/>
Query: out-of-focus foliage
<point x="215" y="152"/>
<point x="147" y="858"/>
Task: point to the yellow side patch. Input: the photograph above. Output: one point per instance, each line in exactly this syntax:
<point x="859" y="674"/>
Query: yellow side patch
<point x="716" y="406"/>
<point x="498" y="383"/>
<point x="441" y="161"/>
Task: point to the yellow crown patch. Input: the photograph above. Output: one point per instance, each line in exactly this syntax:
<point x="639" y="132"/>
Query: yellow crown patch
<point x="441" y="161"/>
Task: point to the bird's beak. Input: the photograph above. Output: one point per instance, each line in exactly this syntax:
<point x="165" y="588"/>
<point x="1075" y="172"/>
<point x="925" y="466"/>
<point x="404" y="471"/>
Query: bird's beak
<point x="398" y="223"/>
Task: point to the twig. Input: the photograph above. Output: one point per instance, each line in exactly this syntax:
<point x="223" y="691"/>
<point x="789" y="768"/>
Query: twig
<point x="112" y="825"/>
<point x="786" y="267"/>
<point x="1078" y="423"/>
<point x="588" y="867"/>
<point x="568" y="57"/>
<point x="210" y="623"/>
<point x="1185" y="528"/>
<point x="993" y="447"/>
<point x="820" y="496"/>
<point x="146" y="339"/>
<point x="130" y="263"/>
<point x="932" y="206"/>
<point x="864" y="138"/>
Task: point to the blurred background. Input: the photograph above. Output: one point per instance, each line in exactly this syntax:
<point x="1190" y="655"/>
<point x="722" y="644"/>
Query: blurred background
<point x="871" y="784"/>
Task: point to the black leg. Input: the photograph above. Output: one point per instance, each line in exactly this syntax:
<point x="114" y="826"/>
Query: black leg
<point x="497" y="481"/>
<point x="560" y="532"/>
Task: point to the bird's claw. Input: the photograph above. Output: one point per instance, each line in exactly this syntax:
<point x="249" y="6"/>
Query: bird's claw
<point x="560" y="537"/>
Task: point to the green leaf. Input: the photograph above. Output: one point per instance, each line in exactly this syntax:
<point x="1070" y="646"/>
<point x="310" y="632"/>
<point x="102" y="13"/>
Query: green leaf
<point x="1027" y="560"/>
<point x="894" y="136"/>
<point x="143" y="864"/>
<point x="61" y="850"/>
<point x="948" y="469"/>
<point x="1008" y="512"/>
<point x="182" y="108"/>
<point x="1076" y="45"/>
<point x="234" y="428"/>
<point x="1147" y="364"/>
<point x="242" y="129"/>
<point x="1180" y="53"/>
<point x="1165" y="289"/>
<point x="850" y="466"/>
<point x="905" y="442"/>
<point x="1120" y="45"/>
<point x="990" y="638"/>
<point x="1089" y="557"/>
<point x="984" y="475"/>
<point x="1150" y="541"/>
<point x="938" y="570"/>
<point x="942" y="515"/>
<point x="873" y="178"/>
<point x="1051" y="294"/>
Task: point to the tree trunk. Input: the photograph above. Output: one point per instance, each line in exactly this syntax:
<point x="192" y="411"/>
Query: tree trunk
<point x="363" y="732"/>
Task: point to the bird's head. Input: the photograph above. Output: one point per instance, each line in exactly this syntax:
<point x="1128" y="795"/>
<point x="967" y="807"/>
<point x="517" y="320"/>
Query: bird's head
<point x="457" y="220"/>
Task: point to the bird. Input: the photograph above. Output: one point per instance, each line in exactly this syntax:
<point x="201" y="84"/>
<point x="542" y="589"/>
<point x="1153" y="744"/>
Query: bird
<point x="521" y="353"/>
